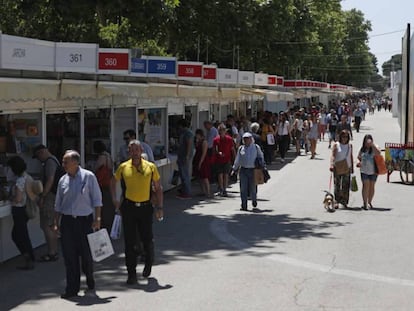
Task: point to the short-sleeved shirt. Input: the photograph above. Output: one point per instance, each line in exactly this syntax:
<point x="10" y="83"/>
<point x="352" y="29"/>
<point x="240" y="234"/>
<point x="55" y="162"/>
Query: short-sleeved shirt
<point x="138" y="183"/>
<point x="224" y="145"/>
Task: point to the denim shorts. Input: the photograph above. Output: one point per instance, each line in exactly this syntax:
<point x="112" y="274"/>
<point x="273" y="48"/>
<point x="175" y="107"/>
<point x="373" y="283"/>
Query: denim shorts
<point x="369" y="177"/>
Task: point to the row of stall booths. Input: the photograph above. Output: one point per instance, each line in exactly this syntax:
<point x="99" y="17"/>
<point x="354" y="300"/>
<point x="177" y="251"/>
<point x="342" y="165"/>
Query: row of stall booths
<point x="71" y="95"/>
<point x="73" y="114"/>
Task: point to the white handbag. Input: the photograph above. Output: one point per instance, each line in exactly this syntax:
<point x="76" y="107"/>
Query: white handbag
<point x="100" y="245"/>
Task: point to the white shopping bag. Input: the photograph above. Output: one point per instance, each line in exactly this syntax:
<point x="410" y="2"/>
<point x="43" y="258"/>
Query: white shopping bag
<point x="116" y="227"/>
<point x="100" y="245"/>
<point x="270" y="139"/>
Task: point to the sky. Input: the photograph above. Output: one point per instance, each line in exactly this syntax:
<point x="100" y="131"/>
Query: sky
<point x="389" y="19"/>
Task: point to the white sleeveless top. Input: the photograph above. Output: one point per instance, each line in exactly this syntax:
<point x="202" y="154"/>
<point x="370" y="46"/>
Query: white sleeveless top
<point x="343" y="152"/>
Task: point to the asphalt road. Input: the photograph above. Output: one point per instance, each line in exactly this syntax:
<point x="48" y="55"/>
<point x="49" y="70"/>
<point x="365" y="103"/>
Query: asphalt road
<point x="289" y="255"/>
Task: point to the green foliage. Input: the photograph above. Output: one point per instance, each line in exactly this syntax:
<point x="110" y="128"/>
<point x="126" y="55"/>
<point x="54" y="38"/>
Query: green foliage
<point x="298" y="39"/>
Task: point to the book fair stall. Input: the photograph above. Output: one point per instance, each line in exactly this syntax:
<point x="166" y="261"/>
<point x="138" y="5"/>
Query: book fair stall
<point x="70" y="95"/>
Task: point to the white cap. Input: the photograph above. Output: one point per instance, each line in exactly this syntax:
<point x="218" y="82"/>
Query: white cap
<point x="247" y="135"/>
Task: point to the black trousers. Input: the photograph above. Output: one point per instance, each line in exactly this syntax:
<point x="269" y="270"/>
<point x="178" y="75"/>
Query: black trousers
<point x="284" y="142"/>
<point x="268" y="153"/>
<point x="20" y="234"/>
<point x="137" y="219"/>
<point x="75" y="245"/>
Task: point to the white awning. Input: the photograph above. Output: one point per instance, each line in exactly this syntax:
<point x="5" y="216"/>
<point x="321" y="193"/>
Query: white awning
<point x="197" y="91"/>
<point x="78" y="89"/>
<point x="14" y="89"/>
<point x="162" y="90"/>
<point x="276" y="96"/>
<point x="229" y="93"/>
<point x="122" y="89"/>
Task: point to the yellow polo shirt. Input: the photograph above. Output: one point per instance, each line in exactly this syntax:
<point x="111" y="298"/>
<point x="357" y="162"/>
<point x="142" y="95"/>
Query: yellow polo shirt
<point x="138" y="183"/>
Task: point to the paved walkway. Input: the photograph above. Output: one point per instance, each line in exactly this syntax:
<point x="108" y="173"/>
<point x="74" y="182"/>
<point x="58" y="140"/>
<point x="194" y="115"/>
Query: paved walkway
<point x="41" y="287"/>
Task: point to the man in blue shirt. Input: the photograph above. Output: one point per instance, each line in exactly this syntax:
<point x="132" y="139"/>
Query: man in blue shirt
<point x="78" y="199"/>
<point x="246" y="160"/>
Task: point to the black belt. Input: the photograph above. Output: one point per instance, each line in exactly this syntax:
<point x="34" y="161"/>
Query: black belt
<point x="138" y="204"/>
<point x="75" y="216"/>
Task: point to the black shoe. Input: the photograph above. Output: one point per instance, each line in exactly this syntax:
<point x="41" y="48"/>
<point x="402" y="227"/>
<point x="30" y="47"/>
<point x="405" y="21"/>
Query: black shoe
<point x="28" y="264"/>
<point x="254" y="203"/>
<point x="132" y="279"/>
<point x="68" y="295"/>
<point x="90" y="293"/>
<point x="243" y="209"/>
<point x="147" y="270"/>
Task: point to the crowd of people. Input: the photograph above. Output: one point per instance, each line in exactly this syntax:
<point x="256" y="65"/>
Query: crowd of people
<point x="75" y="201"/>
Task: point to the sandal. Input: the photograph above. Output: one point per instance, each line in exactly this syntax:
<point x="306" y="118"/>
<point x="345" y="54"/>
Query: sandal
<point x="49" y="257"/>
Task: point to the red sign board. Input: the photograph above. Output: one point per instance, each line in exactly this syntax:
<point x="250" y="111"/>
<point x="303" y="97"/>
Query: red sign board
<point x="190" y="71"/>
<point x="289" y="83"/>
<point x="113" y="61"/>
<point x="280" y="80"/>
<point x="271" y="80"/>
<point x="209" y="73"/>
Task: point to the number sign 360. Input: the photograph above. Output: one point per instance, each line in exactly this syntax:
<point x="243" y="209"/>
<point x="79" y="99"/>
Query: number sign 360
<point x="113" y="61"/>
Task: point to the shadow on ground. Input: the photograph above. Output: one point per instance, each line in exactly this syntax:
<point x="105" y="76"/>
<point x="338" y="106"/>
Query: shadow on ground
<point x="183" y="235"/>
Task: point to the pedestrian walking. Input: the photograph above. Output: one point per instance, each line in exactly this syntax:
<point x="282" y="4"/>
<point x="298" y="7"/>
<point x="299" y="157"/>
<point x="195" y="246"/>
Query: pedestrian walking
<point x="296" y="132"/>
<point x="129" y="135"/>
<point x="184" y="158"/>
<point x="224" y="153"/>
<point x="247" y="156"/>
<point x="201" y="163"/>
<point x="358" y="116"/>
<point x="78" y="213"/>
<point x="322" y="124"/>
<point x="313" y="134"/>
<point x="344" y="125"/>
<point x="332" y="123"/>
<point x="283" y="136"/>
<point x="20" y="233"/>
<point x="104" y="170"/>
<point x="50" y="175"/>
<point x="268" y="141"/>
<point x="141" y="178"/>
<point x="366" y="163"/>
<point x="341" y="164"/>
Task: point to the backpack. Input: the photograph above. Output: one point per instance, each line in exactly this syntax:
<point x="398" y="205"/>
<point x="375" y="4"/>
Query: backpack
<point x="60" y="171"/>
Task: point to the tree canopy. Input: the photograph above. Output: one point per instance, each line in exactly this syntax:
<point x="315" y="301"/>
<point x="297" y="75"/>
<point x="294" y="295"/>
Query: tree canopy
<point x="297" y="39"/>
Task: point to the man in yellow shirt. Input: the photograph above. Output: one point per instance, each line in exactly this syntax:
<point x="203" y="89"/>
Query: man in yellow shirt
<point x="141" y="178"/>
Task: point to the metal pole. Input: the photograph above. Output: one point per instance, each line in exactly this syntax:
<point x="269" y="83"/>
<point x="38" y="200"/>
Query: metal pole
<point x="207" y="50"/>
<point x="198" y="48"/>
